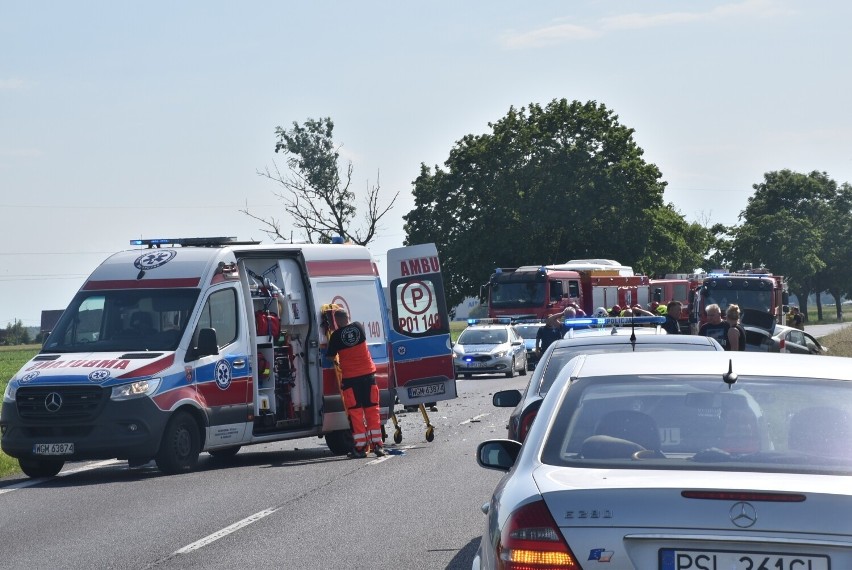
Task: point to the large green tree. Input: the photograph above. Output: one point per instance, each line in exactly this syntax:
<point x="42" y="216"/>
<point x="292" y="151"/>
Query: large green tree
<point x="547" y="184"/>
<point x="783" y="228"/>
<point x="836" y="276"/>
<point x="316" y="191"/>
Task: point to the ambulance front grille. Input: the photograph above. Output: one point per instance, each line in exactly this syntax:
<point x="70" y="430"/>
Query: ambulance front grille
<point x="77" y="403"/>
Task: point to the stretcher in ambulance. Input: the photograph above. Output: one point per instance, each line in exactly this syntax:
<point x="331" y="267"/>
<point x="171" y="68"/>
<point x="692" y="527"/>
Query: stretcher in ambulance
<point x="211" y="344"/>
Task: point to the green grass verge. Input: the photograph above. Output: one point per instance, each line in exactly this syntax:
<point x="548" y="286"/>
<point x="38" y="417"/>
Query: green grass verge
<point x="839" y="343"/>
<point x="11" y="360"/>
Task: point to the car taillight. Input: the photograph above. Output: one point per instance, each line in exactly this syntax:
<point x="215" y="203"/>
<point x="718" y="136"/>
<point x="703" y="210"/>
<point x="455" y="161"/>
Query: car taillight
<point x="531" y="541"/>
<point x="782" y="344"/>
<point x="524" y="425"/>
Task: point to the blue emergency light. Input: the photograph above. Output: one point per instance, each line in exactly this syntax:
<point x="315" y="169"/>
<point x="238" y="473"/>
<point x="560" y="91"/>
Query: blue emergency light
<point x="611" y="321"/>
<point x="491" y="321"/>
<point x="198" y="242"/>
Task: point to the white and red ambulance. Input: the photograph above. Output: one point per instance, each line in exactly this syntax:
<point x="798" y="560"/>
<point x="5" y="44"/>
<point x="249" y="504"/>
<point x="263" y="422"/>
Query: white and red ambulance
<point x="210" y="344"/>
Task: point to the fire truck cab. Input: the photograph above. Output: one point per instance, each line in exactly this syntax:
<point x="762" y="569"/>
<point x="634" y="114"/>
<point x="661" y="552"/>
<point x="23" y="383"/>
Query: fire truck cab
<point x="210" y="344"/>
<point x="757" y="292"/>
<point x="537" y="291"/>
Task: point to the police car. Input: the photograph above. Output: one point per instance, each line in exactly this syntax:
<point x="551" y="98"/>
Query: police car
<point x="490" y="346"/>
<point x="528" y="329"/>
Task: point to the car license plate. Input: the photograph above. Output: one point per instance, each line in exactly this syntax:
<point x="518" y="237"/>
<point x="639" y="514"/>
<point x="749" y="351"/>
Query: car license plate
<point x="477" y="364"/>
<point x="53" y="448"/>
<point x="675" y="559"/>
<point x="427" y="390"/>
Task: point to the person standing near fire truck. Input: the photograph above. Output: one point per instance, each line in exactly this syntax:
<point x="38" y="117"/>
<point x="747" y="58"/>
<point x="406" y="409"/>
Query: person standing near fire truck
<point x="358" y="385"/>
<point x="715" y="327"/>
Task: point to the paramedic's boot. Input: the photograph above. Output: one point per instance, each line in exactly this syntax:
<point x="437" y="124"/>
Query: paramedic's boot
<point x="379" y="450"/>
<point x="356" y="454"/>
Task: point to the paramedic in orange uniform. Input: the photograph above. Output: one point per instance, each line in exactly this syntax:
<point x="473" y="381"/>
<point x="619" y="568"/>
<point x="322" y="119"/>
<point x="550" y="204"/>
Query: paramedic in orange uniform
<point x="360" y="393"/>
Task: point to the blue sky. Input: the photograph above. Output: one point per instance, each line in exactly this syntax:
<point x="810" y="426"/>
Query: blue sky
<point x="123" y="120"/>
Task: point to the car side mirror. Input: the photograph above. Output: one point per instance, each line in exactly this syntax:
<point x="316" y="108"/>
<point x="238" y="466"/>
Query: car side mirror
<point x="506" y="398"/>
<point x="499" y="454"/>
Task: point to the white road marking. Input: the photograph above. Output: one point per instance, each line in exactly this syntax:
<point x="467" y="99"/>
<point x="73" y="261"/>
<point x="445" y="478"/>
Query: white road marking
<point x="474" y="419"/>
<point x="31" y="482"/>
<point x="226" y="531"/>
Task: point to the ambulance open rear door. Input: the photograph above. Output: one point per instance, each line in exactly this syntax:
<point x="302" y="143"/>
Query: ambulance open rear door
<point x="421" y="350"/>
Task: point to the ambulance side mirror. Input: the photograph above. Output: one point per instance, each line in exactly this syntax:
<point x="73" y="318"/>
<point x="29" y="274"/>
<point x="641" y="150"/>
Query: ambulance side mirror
<point x="207" y="345"/>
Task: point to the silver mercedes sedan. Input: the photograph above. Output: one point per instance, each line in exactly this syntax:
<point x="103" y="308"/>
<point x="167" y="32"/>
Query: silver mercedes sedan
<point x="679" y="461"/>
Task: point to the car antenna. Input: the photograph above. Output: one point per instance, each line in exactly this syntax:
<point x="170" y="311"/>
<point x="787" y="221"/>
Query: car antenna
<point x="633" y="332"/>
<point x="730" y="377"/>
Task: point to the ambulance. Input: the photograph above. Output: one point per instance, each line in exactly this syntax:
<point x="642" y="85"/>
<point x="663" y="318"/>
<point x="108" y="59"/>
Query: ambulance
<point x="209" y="344"/>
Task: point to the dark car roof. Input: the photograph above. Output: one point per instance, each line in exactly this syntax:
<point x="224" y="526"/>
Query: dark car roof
<point x="644" y="342"/>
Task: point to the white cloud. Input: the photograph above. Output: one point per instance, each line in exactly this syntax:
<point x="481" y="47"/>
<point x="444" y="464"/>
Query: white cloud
<point x="565" y="32"/>
<point x="549" y="36"/>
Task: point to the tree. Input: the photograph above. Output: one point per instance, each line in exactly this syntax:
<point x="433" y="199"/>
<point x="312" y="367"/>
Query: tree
<point x="544" y="186"/>
<point x="783" y="228"/>
<point x="17" y="333"/>
<point x="315" y="194"/>
<point x="836" y="276"/>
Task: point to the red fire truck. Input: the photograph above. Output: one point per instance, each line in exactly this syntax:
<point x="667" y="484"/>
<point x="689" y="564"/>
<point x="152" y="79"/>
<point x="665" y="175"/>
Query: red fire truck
<point x="676" y="287"/>
<point x="760" y="295"/>
<point x="538" y="291"/>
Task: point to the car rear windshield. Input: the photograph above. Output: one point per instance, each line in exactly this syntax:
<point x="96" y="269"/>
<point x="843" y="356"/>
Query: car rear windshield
<point x="794" y="425"/>
<point x="561" y="355"/>
<point x="528" y="331"/>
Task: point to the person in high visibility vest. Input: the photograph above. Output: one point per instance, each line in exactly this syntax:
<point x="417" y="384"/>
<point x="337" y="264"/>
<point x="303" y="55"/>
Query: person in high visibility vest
<point x="358" y="385"/>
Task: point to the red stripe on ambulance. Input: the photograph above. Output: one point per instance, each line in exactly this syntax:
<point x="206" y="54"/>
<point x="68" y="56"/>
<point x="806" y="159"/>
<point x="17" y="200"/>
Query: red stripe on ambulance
<point x="339" y="267"/>
<point x="141" y="283"/>
<point x="426" y="367"/>
<point x="152" y="368"/>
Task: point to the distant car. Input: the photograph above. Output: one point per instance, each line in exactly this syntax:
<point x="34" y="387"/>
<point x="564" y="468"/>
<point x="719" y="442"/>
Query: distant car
<point x="528" y="331"/>
<point x="697" y="460"/>
<point x="782" y="339"/>
<point x="489" y="346"/>
<point x="588" y="341"/>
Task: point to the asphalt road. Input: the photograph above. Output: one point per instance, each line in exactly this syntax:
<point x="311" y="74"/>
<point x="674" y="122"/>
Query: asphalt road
<point x="819" y="331"/>
<point x="286" y="505"/>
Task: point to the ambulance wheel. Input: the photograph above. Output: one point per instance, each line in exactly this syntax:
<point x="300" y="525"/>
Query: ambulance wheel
<point x="225" y="452"/>
<point x="397" y="436"/>
<point x="340" y="442"/>
<point x="181" y="445"/>
<point x="430" y="434"/>
<point x="36" y="468"/>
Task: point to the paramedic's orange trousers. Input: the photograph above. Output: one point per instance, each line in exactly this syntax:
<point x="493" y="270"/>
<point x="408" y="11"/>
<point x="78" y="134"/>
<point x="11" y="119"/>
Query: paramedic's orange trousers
<point x="361" y="399"/>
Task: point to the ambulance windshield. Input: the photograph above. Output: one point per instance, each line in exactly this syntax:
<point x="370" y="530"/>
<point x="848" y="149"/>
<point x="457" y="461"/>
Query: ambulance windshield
<point x="123" y="321"/>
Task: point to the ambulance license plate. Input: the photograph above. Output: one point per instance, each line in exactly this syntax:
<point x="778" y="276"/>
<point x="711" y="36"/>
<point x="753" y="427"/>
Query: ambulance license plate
<point x="53" y="448"/>
<point x="677" y="559"/>
<point x="427" y="390"/>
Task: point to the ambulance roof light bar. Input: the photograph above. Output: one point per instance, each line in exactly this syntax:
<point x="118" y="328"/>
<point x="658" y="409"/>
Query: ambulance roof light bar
<point x="191" y="242"/>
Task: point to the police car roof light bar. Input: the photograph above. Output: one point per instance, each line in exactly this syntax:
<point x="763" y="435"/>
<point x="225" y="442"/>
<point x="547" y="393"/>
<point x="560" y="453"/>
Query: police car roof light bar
<point x="491" y="321"/>
<point x="611" y="321"/>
